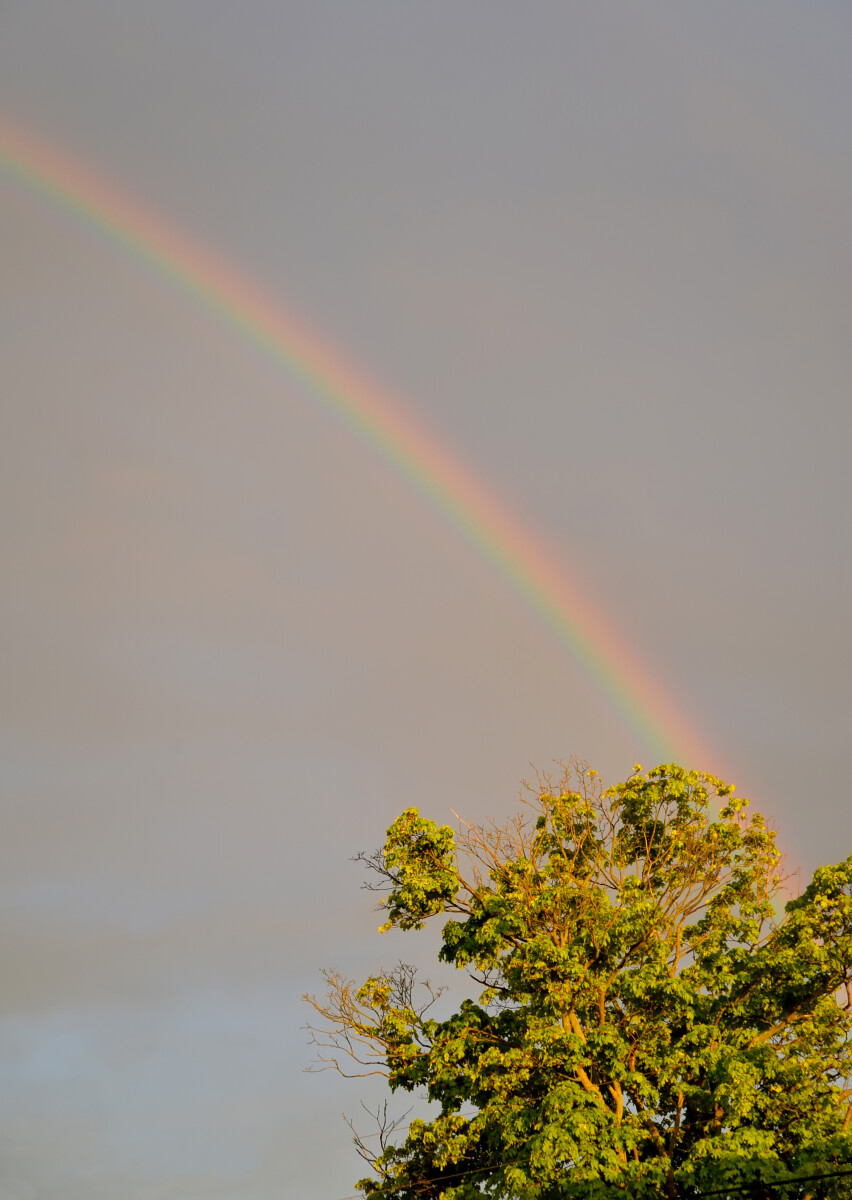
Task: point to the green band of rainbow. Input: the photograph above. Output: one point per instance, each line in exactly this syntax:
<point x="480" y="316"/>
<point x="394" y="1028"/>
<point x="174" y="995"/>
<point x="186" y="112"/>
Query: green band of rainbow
<point x="427" y="465"/>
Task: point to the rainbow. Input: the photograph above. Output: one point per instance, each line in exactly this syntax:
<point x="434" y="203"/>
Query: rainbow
<point x="379" y="420"/>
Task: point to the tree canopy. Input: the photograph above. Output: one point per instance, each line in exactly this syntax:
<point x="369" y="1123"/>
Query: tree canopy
<point x="652" y="1022"/>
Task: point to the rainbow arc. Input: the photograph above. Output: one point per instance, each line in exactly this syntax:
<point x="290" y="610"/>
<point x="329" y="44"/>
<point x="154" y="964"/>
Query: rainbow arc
<point x="378" y="419"/>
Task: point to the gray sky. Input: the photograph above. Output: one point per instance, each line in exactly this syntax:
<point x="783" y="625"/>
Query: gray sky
<point x="603" y="252"/>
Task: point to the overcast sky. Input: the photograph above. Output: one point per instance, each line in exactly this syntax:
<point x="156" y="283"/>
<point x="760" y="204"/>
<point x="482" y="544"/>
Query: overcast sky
<point x="601" y="251"/>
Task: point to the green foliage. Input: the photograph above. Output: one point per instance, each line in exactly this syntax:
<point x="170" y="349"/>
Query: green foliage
<point x="648" y="1026"/>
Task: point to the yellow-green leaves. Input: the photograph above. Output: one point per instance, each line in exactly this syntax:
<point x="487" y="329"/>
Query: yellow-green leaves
<point x="647" y="1027"/>
<point x="419" y="858"/>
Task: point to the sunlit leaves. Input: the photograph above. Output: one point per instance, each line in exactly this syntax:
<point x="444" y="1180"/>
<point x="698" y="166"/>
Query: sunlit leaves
<point x="647" y="1023"/>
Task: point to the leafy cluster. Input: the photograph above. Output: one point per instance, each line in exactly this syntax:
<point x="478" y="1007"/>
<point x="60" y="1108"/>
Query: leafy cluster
<point x="648" y="1025"/>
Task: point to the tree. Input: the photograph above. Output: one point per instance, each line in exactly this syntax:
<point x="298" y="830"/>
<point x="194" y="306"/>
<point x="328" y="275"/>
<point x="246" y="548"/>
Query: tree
<point x="650" y="1025"/>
